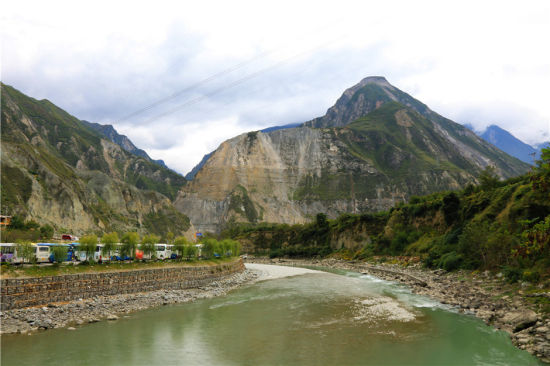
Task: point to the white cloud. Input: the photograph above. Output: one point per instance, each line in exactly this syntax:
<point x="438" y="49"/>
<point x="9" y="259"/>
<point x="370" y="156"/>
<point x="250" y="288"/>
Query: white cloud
<point x="479" y="62"/>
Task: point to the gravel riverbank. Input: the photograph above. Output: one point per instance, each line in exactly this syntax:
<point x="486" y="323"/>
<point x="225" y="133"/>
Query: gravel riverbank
<point x="77" y="313"/>
<point x="483" y="295"/>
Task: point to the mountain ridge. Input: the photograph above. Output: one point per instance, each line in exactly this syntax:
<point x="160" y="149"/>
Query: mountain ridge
<point x="123" y="141"/>
<point x="290" y="175"/>
<point x="57" y="170"/>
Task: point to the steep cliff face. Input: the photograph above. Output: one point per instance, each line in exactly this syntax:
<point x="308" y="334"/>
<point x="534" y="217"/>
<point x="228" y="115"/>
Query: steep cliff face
<point x="56" y="170"/>
<point x="387" y="154"/>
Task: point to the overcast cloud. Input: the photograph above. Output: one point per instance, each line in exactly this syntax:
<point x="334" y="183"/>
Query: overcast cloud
<point x="235" y="66"/>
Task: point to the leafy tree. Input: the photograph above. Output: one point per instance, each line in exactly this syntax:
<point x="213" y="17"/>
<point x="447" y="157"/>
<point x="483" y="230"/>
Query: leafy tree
<point x="321" y="220"/>
<point x="169" y="237"/>
<point x="17" y="222"/>
<point x="88" y="244"/>
<point x="209" y="247"/>
<point x="129" y="242"/>
<point x="179" y="245"/>
<point x="535" y="241"/>
<point x="109" y="241"/>
<point x="540" y="176"/>
<point x="148" y="244"/>
<point x="60" y="253"/>
<point x="225" y="248"/>
<point x="451" y="204"/>
<point x="488" y="178"/>
<point x="32" y="225"/>
<point x="46" y="231"/>
<point x="26" y="251"/>
<point x="190" y="251"/>
<point x="235" y="248"/>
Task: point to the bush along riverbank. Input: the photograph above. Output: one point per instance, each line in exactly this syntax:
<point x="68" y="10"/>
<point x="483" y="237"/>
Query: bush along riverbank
<point x="520" y="309"/>
<point x="82" y="311"/>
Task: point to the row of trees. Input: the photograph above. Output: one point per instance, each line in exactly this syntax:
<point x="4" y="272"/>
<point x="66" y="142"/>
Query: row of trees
<point x="211" y="248"/>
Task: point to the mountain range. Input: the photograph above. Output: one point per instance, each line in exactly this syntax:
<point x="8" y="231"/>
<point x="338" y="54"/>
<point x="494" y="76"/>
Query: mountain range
<point x="375" y="147"/>
<point x="57" y="169"/>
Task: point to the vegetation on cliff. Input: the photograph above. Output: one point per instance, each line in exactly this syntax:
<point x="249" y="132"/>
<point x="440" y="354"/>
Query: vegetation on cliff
<point x="494" y="225"/>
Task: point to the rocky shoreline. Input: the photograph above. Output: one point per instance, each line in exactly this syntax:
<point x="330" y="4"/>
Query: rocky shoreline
<point x="77" y="313"/>
<point x="484" y="295"/>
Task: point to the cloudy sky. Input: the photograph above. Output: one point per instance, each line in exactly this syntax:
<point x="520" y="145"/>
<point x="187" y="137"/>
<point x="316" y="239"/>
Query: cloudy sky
<point x="180" y="77"/>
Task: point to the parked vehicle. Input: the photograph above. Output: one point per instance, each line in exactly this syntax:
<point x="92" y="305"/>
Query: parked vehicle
<point x="170" y="250"/>
<point x="8" y="252"/>
<point x="161" y="252"/>
<point x="69" y="237"/>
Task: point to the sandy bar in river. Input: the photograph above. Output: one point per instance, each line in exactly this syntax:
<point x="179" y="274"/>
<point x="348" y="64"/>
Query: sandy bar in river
<point x="270" y="272"/>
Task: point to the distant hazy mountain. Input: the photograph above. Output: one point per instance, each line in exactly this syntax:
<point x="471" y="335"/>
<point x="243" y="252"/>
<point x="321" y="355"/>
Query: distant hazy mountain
<point x="510" y="144"/>
<point x="505" y="141"/>
<point x="195" y="170"/>
<point x="543" y="144"/>
<point x="275" y="128"/>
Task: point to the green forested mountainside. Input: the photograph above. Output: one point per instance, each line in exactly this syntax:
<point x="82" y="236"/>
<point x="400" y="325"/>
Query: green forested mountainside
<point x="494" y="225"/>
<point x="56" y="170"/>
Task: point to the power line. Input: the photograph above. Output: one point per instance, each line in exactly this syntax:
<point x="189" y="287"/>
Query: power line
<point x="235" y="83"/>
<point x="220" y="74"/>
<point x="196" y="85"/>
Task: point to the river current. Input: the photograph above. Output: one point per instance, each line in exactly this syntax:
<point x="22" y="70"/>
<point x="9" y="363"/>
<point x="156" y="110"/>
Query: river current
<point x="323" y="318"/>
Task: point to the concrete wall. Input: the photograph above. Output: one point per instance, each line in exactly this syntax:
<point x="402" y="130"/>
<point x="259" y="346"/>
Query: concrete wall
<point x="36" y="291"/>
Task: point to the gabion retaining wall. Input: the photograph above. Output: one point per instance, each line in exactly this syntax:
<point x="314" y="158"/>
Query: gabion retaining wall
<point x="37" y="291"/>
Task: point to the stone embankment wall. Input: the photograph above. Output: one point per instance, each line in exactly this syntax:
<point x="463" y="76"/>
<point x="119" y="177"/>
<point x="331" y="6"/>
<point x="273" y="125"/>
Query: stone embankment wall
<point x="36" y="291"/>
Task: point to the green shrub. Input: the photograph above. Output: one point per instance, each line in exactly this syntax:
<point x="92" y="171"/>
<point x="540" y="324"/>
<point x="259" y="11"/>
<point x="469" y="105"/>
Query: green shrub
<point x="88" y="245"/>
<point x="512" y="274"/>
<point x="148" y="244"/>
<point x="129" y="244"/>
<point x="46" y="232"/>
<point x="190" y="251"/>
<point x="179" y="245"/>
<point x="532" y="276"/>
<point x="26" y="251"/>
<point x="109" y="240"/>
<point x="450" y="261"/>
<point x="60" y="253"/>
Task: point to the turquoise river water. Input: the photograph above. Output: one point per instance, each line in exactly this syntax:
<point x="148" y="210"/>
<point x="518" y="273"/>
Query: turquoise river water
<point x="338" y="318"/>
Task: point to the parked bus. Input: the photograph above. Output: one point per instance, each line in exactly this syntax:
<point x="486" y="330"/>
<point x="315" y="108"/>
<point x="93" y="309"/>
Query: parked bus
<point x="160" y="251"/>
<point x="43" y="252"/>
<point x="8" y="252"/>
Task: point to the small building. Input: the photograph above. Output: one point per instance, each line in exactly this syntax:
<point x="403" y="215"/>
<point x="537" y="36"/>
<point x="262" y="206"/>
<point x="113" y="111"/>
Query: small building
<point x="5" y="220"/>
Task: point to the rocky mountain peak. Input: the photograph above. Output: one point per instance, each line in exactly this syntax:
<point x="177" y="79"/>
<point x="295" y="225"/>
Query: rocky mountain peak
<point x="363" y="98"/>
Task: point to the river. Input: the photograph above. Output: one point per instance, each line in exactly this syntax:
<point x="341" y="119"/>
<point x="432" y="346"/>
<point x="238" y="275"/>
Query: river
<point x="317" y="318"/>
